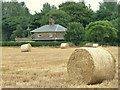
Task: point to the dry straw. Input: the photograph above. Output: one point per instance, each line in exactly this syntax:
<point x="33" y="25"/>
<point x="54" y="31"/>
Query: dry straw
<point x="88" y="45"/>
<point x="64" y="45"/>
<point x="95" y="45"/>
<point x="26" y="47"/>
<point x="90" y="65"/>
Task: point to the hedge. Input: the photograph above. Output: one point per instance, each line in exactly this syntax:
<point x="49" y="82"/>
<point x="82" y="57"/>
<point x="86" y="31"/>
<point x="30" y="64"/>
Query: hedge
<point x="49" y="43"/>
<point x="100" y="43"/>
<point x="34" y="44"/>
<point x="109" y="44"/>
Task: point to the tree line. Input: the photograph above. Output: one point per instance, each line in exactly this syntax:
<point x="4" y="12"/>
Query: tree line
<point x="82" y="23"/>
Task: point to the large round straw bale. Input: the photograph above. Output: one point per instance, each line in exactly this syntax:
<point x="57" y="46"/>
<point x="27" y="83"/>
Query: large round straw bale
<point x="90" y="65"/>
<point x="64" y="45"/>
<point x="26" y="47"/>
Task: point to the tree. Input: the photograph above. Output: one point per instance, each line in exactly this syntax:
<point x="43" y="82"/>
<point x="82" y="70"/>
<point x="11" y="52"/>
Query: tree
<point x="78" y="12"/>
<point x="47" y="7"/>
<point x="103" y="14"/>
<point x="75" y="33"/>
<point x="115" y="23"/>
<point x="59" y="16"/>
<point x="112" y="6"/>
<point x="14" y="13"/>
<point x="108" y="11"/>
<point x="19" y="32"/>
<point x="119" y="24"/>
<point x="9" y="25"/>
<point x="37" y="20"/>
<point x="101" y="31"/>
<point x="13" y="8"/>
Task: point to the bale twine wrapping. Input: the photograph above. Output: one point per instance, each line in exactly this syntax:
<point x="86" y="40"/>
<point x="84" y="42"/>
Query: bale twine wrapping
<point x="90" y="65"/>
<point x="64" y="45"/>
<point x="26" y="47"/>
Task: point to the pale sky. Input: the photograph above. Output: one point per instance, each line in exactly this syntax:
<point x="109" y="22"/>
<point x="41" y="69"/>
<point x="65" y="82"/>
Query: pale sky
<point x="36" y="5"/>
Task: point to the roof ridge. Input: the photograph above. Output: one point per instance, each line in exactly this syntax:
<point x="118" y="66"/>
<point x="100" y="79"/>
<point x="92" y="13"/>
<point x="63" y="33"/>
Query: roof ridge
<point x="56" y="28"/>
<point x="49" y="28"/>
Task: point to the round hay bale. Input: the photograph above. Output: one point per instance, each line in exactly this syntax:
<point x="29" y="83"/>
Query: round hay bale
<point x="95" y="45"/>
<point x="26" y="47"/>
<point x="90" y="65"/>
<point x="64" y="45"/>
<point x="88" y="45"/>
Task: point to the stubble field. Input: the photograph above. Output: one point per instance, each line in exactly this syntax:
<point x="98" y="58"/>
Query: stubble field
<point x="44" y="67"/>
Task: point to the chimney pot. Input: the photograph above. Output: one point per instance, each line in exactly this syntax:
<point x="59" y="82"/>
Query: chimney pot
<point x="51" y="21"/>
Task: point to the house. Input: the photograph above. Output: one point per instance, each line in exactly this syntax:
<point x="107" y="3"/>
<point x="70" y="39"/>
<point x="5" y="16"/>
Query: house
<point x="49" y="32"/>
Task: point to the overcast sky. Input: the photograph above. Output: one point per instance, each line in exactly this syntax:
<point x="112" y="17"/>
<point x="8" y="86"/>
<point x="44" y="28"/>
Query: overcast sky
<point x="36" y="5"/>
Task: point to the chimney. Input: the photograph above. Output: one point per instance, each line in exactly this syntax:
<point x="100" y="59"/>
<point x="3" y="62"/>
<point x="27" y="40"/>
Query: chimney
<point x="51" y="21"/>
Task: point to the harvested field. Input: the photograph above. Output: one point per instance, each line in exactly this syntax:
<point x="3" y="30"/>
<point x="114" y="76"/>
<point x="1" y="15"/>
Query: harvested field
<point x="44" y="67"/>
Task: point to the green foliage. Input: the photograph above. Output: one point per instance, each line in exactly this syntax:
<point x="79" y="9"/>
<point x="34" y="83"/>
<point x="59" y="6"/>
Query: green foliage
<point x="75" y="33"/>
<point x="14" y="9"/>
<point x="34" y="44"/>
<point x="78" y="12"/>
<point x="19" y="32"/>
<point x="14" y="13"/>
<point x="53" y="43"/>
<point x="115" y="23"/>
<point x="16" y="19"/>
<point x="108" y="11"/>
<point x="35" y="21"/>
<point x="40" y="19"/>
<point x="47" y="7"/>
<point x="9" y="25"/>
<point x="112" y="6"/>
<point x="101" y="31"/>
<point x="119" y="23"/>
<point x="102" y="14"/>
<point x="59" y="16"/>
<point x="109" y="44"/>
<point x="83" y="43"/>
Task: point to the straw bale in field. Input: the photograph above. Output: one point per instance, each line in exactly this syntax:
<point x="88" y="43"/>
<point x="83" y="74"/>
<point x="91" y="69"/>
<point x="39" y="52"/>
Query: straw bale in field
<point x="95" y="45"/>
<point x="90" y="65"/>
<point x="88" y="45"/>
<point x="64" y="45"/>
<point x="26" y="47"/>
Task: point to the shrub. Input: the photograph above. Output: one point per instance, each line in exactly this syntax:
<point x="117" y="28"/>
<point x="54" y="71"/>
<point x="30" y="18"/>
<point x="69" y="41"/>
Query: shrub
<point x="101" y="31"/>
<point x="34" y="44"/>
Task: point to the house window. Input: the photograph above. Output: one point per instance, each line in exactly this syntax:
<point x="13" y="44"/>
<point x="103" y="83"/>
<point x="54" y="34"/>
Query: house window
<point x="50" y="35"/>
<point x="39" y="35"/>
